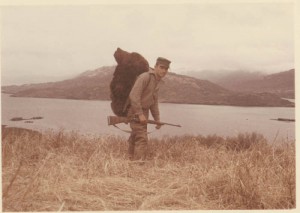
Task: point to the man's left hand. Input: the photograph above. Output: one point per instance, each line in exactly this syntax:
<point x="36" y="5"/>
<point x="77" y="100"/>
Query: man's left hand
<point x="158" y="126"/>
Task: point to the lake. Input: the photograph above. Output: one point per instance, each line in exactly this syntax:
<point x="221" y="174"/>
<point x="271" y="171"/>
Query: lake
<point x="90" y="117"/>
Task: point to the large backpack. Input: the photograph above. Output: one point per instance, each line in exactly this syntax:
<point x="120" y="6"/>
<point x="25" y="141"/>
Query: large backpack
<point x="130" y="66"/>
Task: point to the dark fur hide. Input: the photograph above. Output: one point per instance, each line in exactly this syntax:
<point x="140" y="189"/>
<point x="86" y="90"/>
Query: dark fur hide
<point x="130" y="65"/>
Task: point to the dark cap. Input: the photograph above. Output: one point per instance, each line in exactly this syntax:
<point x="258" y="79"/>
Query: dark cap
<point x="163" y="61"/>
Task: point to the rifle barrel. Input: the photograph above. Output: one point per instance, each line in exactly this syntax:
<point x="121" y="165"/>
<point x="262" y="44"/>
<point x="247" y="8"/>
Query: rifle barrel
<point x="162" y="123"/>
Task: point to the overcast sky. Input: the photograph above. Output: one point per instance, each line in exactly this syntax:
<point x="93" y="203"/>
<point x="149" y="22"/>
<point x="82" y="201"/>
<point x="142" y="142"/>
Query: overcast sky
<point x="41" y="43"/>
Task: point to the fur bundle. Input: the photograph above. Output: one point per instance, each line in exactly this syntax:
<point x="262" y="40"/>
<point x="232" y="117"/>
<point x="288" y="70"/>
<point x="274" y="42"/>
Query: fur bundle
<point x="130" y="65"/>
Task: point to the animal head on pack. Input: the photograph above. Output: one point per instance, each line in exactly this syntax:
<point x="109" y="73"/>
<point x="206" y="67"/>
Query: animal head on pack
<point x="131" y="62"/>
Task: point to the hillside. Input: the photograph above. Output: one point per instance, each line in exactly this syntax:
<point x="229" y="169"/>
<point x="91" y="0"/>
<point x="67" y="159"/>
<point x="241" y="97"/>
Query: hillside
<point x="94" y="85"/>
<point x="87" y="86"/>
<point x="281" y="84"/>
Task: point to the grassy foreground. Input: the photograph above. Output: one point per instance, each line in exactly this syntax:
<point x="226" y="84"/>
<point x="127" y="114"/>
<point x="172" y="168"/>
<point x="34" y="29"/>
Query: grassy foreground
<point x="66" y="171"/>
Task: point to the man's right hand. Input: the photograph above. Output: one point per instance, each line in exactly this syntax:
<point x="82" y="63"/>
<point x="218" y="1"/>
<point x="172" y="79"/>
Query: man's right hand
<point x="143" y="119"/>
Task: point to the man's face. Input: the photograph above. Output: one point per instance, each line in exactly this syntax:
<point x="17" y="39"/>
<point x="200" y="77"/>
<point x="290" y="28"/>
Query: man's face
<point x="161" y="70"/>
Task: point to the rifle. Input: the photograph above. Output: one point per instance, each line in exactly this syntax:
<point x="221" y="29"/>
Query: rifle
<point x="113" y="120"/>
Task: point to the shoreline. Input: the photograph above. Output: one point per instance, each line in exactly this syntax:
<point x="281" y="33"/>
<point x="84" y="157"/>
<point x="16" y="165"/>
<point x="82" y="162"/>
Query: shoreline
<point x="168" y="102"/>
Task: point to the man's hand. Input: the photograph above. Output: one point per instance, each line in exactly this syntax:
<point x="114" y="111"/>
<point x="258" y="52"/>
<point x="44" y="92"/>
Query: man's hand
<point x="158" y="126"/>
<point x="142" y="119"/>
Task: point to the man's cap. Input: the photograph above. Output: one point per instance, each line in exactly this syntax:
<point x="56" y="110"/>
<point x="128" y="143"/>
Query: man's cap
<point x="163" y="61"/>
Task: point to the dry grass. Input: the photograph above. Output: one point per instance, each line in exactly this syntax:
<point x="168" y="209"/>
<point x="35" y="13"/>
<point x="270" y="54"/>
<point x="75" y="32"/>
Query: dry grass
<point x="67" y="171"/>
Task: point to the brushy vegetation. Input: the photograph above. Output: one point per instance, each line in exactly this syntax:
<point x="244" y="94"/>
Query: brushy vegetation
<point x="61" y="171"/>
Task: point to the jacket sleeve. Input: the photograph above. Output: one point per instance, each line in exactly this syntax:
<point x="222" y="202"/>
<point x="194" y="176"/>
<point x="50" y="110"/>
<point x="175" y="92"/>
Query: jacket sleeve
<point x="135" y="95"/>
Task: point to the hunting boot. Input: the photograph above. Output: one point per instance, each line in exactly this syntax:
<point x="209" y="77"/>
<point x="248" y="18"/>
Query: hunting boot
<point x="131" y="144"/>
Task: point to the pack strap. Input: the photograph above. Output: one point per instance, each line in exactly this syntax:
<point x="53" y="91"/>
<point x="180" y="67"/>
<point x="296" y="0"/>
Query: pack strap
<point x="127" y="131"/>
<point x="127" y="102"/>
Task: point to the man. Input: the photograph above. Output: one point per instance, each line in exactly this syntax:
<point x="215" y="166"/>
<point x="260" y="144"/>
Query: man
<point x="144" y="98"/>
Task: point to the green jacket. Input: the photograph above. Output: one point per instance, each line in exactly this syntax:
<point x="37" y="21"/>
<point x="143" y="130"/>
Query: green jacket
<point x="144" y="94"/>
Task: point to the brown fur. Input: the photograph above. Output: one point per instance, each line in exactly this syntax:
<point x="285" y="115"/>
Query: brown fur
<point x="130" y="65"/>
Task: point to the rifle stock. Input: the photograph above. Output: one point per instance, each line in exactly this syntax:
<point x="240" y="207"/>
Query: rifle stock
<point x="113" y="120"/>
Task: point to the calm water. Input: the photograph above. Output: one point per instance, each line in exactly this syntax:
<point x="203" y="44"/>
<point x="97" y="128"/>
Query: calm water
<point x="91" y="117"/>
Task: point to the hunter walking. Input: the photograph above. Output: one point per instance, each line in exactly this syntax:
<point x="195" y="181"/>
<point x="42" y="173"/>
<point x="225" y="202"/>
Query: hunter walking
<point x="143" y="99"/>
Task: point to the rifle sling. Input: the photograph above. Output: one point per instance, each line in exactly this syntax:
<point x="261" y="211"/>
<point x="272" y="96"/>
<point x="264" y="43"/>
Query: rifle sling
<point x="127" y="131"/>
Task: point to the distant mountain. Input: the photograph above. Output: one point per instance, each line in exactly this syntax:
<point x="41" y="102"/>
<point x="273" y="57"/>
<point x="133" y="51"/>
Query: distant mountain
<point x="223" y="76"/>
<point x="87" y="86"/>
<point x="281" y="84"/>
<point x="94" y="85"/>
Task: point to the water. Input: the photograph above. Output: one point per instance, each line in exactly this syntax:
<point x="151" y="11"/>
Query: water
<point x="91" y="117"/>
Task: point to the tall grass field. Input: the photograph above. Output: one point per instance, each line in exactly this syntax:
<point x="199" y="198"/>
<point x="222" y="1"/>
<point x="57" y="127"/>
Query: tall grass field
<point x="67" y="171"/>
